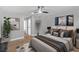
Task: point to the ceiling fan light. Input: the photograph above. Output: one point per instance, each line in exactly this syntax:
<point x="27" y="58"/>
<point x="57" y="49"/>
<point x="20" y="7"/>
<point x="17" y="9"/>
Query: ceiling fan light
<point x="40" y="11"/>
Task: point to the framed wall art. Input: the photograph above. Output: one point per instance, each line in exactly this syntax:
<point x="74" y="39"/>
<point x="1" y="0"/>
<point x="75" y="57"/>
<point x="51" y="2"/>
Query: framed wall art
<point x="67" y="20"/>
<point x="15" y="23"/>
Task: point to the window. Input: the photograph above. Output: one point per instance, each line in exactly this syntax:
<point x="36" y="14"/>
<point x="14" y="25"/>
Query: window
<point x="28" y="26"/>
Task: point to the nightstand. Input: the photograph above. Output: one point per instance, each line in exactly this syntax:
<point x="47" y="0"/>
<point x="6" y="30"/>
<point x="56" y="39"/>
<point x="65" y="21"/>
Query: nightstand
<point x="77" y="43"/>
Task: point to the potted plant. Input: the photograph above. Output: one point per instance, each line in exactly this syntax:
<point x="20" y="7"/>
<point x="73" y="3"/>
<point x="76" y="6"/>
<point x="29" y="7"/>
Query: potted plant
<point x="6" y="27"/>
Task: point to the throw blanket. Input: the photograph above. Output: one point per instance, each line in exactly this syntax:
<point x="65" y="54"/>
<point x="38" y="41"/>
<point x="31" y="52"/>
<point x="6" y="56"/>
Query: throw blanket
<point x="59" y="46"/>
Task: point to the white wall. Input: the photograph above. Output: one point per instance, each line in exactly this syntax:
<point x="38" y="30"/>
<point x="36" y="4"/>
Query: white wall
<point x="46" y="20"/>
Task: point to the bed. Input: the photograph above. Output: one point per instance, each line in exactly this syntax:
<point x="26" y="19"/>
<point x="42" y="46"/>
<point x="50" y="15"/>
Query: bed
<point x="50" y="43"/>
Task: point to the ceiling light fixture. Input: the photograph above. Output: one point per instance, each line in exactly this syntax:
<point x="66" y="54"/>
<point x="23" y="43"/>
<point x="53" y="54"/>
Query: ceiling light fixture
<point x="40" y="9"/>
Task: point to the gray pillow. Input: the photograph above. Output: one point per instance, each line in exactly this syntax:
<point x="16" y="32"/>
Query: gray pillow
<point x="66" y="34"/>
<point x="61" y="34"/>
<point x="55" y="34"/>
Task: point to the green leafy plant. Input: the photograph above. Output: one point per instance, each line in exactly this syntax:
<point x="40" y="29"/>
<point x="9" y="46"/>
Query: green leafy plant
<point x="6" y="27"/>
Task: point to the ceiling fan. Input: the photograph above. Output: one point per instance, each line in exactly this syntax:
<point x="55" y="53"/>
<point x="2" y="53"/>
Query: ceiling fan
<point x="40" y="9"/>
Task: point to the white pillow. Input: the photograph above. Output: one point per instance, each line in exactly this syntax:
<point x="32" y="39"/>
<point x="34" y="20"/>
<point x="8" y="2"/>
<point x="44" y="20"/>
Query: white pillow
<point x="55" y="33"/>
<point x="48" y="34"/>
<point x="61" y="35"/>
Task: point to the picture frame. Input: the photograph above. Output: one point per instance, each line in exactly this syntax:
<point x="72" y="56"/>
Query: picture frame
<point x="70" y="20"/>
<point x="62" y="21"/>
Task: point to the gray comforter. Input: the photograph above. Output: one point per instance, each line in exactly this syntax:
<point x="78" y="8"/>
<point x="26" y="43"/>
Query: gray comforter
<point x="46" y="44"/>
<point x="59" y="46"/>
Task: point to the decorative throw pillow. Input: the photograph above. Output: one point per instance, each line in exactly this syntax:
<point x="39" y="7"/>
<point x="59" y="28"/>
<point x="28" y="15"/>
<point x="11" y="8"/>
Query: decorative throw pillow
<point x="66" y="34"/>
<point x="55" y="34"/>
<point x="52" y="33"/>
<point x="61" y="34"/>
<point x="48" y="34"/>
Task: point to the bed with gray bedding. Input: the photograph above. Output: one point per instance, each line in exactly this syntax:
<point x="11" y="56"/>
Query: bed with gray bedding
<point x="48" y="43"/>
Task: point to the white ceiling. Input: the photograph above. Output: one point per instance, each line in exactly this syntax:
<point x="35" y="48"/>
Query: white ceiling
<point x="25" y="10"/>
